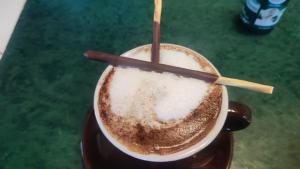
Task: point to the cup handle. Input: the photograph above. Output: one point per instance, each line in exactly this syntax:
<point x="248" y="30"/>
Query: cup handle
<point x="239" y="116"/>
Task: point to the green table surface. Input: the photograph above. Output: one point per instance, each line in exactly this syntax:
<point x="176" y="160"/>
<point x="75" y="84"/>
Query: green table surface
<point x="46" y="85"/>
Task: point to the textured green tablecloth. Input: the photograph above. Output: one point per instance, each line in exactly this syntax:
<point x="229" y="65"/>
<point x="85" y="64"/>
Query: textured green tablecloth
<point x="46" y="85"/>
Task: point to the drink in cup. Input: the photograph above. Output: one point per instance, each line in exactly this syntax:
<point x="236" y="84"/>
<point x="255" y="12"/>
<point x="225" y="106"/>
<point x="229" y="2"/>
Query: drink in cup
<point x="160" y="116"/>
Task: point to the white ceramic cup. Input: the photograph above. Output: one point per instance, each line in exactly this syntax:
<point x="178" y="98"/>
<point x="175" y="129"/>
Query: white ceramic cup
<point x="168" y="157"/>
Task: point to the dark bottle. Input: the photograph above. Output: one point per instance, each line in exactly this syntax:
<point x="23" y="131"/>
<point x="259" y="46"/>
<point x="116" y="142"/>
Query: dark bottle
<point x="261" y="16"/>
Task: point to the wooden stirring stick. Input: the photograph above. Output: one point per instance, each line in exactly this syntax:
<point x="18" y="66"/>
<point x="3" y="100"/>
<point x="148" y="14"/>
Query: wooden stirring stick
<point x="156" y="32"/>
<point x="151" y="66"/>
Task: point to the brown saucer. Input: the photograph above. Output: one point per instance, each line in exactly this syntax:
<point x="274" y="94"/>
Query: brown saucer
<point x="98" y="152"/>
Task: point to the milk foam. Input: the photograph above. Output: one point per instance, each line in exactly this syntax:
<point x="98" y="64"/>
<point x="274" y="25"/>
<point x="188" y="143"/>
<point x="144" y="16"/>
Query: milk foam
<point x="152" y="98"/>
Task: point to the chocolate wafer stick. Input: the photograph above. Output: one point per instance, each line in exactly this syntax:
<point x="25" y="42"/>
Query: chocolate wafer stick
<point x="156" y="32"/>
<point x="151" y="66"/>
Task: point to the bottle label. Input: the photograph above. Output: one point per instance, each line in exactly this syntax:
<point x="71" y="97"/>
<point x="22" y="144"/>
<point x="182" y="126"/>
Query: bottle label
<point x="268" y="17"/>
<point x="277" y="2"/>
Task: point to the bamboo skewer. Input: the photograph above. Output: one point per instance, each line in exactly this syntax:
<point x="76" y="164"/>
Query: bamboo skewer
<point x="151" y="66"/>
<point x="156" y="31"/>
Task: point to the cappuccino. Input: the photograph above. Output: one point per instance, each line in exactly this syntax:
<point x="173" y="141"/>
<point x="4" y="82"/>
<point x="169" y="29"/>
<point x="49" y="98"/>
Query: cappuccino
<point x="160" y="113"/>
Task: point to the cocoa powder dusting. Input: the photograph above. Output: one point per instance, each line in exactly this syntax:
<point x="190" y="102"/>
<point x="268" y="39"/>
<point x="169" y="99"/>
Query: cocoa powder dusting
<point x="145" y="140"/>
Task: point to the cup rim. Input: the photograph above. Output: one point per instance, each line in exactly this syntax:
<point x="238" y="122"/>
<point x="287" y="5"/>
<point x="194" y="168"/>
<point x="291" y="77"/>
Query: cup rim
<point x="173" y="156"/>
